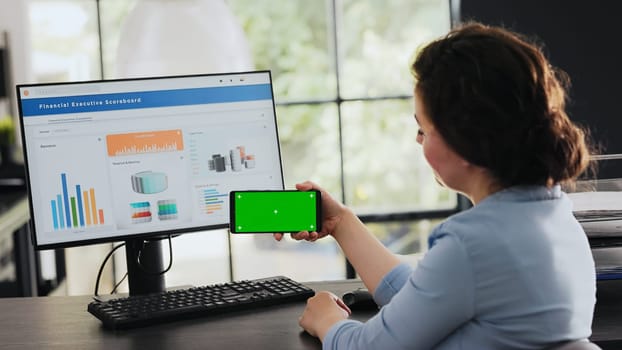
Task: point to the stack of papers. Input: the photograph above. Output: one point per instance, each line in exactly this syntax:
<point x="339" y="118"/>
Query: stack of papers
<point x="600" y="214"/>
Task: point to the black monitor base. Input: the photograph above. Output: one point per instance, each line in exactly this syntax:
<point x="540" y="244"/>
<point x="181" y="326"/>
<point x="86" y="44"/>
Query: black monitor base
<point x="146" y="275"/>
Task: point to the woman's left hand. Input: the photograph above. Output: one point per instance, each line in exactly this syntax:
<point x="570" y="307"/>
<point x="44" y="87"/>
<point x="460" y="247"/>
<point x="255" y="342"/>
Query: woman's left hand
<point x="323" y="310"/>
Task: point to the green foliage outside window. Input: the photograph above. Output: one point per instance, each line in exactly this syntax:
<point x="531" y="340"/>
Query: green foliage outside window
<point x="343" y="98"/>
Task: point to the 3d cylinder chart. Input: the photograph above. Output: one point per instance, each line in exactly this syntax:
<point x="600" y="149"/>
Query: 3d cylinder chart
<point x="236" y="160"/>
<point x="72" y="210"/>
<point x="149" y="182"/>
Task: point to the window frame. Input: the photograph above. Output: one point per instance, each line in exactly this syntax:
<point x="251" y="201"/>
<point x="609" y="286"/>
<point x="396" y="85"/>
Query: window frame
<point x="338" y="100"/>
<point x="461" y="203"/>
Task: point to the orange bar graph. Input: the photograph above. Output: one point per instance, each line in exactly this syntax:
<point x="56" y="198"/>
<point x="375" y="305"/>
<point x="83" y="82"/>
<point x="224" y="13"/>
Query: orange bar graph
<point x="93" y="205"/>
<point x="210" y="209"/>
<point x="144" y="142"/>
<point x="101" y="216"/>
<point x="87" y="207"/>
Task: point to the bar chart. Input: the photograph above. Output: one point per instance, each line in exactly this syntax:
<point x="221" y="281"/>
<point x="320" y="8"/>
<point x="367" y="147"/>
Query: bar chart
<point x="144" y="142"/>
<point x="74" y="209"/>
<point x="212" y="201"/>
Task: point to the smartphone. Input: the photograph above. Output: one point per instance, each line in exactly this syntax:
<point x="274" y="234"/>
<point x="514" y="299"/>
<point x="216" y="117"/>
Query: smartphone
<point x="274" y="211"/>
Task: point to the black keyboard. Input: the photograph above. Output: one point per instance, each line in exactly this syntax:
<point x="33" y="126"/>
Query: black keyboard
<point x="150" y="309"/>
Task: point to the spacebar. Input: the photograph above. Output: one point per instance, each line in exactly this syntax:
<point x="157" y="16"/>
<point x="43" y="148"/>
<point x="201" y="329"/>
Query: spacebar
<point x="177" y="311"/>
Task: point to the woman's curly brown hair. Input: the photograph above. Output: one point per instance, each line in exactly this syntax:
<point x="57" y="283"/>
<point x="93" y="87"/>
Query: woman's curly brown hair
<point x="498" y="103"/>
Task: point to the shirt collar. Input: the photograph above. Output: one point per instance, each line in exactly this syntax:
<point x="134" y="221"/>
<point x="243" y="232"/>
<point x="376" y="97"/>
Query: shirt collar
<point x="525" y="193"/>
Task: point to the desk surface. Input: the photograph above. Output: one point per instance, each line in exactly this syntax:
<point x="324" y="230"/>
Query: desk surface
<point x="64" y="323"/>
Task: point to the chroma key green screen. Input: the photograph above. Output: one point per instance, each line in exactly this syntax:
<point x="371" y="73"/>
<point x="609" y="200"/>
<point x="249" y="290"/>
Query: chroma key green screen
<point x="274" y="211"/>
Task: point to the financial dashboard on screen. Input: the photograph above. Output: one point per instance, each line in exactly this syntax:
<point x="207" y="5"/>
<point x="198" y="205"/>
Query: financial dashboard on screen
<point x="116" y="159"/>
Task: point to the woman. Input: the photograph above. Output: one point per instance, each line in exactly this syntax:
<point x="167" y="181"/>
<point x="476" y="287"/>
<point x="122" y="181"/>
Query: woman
<point x="515" y="271"/>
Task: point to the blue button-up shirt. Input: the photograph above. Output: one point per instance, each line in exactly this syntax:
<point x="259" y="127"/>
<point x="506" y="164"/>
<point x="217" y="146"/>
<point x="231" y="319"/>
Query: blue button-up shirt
<point x="513" y="272"/>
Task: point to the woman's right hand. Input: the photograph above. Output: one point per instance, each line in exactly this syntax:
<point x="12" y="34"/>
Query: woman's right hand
<point x="332" y="212"/>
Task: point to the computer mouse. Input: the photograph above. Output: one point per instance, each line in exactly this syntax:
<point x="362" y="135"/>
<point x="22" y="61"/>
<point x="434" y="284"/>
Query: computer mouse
<point x="360" y="299"/>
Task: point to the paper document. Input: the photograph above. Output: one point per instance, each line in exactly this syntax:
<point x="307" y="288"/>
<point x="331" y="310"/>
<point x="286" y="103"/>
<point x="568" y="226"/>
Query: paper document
<point x="600" y="213"/>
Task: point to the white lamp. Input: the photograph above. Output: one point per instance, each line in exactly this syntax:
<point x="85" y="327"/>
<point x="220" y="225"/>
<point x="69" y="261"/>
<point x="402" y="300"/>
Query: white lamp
<point x="181" y="37"/>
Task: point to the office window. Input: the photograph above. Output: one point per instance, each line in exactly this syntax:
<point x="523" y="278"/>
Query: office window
<point x="384" y="168"/>
<point x="65" y="44"/>
<point x="404" y="236"/>
<point x="344" y="106"/>
<point x="377" y="39"/>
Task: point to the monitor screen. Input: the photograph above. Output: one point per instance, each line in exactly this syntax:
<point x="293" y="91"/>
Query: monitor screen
<point x="113" y="160"/>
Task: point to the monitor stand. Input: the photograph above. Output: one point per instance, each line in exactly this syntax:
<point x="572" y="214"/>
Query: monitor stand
<point x="144" y="278"/>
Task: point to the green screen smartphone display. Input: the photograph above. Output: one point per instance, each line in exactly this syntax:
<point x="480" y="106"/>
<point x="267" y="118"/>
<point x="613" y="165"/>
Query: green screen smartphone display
<point x="274" y="211"/>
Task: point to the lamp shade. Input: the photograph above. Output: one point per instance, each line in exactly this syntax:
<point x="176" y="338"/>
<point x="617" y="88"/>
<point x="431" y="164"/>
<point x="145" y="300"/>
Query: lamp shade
<point x="181" y="37"/>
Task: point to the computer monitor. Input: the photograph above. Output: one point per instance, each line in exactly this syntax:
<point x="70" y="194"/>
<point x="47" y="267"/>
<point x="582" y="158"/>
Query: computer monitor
<point x="136" y="160"/>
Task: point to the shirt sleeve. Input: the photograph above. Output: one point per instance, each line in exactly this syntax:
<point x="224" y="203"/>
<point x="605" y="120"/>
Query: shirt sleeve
<point x="433" y="301"/>
<point x="392" y="283"/>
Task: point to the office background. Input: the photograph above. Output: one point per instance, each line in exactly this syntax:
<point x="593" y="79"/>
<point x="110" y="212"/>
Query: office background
<point x="343" y="93"/>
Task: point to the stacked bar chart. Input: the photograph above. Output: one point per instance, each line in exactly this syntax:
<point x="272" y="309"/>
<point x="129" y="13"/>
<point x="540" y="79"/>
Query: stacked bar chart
<point x="141" y="212"/>
<point x="76" y="209"/>
<point x="167" y="209"/>
<point x="211" y="200"/>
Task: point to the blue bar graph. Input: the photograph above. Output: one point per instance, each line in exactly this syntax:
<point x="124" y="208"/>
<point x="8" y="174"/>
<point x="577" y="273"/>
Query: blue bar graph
<point x="80" y="210"/>
<point x="54" y="214"/>
<point x="59" y="203"/>
<point x="63" y="178"/>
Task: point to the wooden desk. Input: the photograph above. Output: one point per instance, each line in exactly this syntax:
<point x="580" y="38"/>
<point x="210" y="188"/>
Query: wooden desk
<point x="64" y="323"/>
